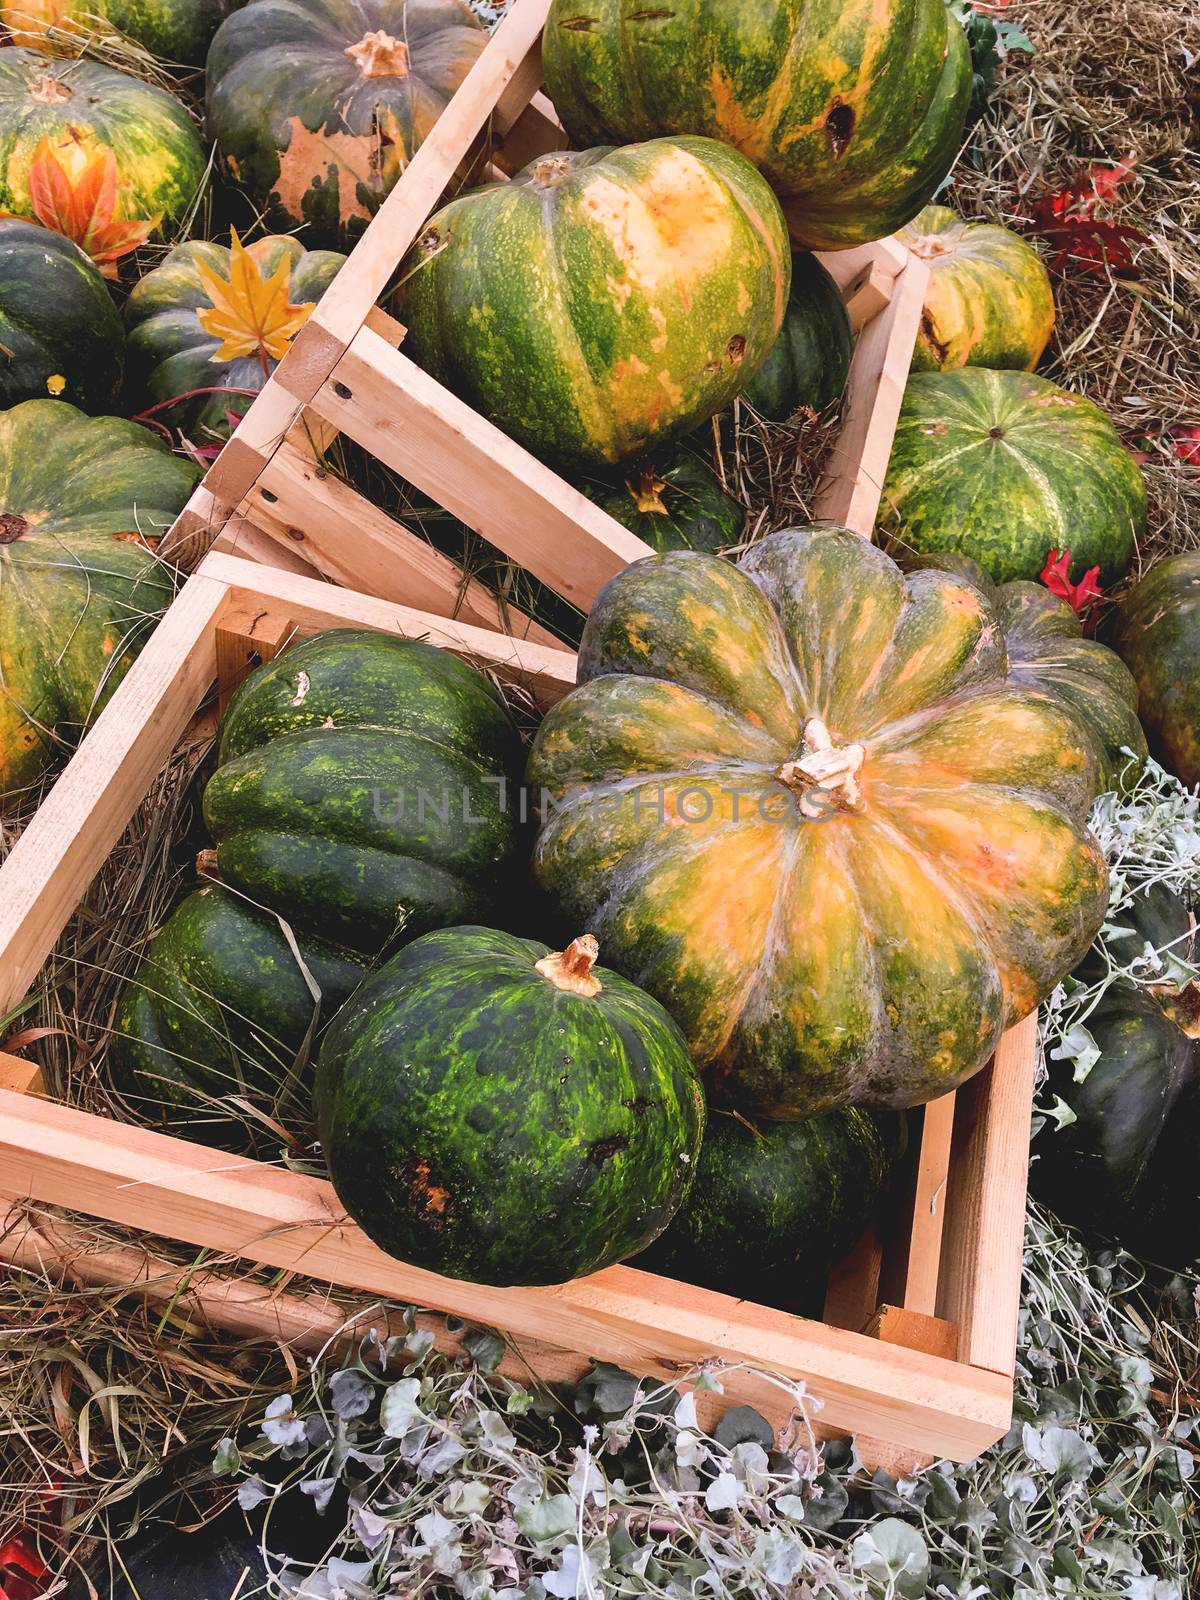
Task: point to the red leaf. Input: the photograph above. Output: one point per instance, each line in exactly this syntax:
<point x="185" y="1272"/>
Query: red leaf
<point x="1186" y="444"/>
<point x="1067" y="219"/>
<point x="1079" y="596"/>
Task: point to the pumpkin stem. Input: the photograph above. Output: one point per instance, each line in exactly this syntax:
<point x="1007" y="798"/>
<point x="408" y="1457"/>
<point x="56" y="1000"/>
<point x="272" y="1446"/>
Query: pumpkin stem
<point x="823" y="773"/>
<point x="206" y="864"/>
<point x="571" y="969"/>
<point x="49" y="91"/>
<point x="646" y="490"/>
<point x="379" y="55"/>
<point x="12" y="526"/>
<point x="551" y="170"/>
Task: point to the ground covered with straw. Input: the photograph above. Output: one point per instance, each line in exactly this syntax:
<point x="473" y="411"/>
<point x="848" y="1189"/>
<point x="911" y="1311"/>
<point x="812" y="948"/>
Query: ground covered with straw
<point x="439" y="1478"/>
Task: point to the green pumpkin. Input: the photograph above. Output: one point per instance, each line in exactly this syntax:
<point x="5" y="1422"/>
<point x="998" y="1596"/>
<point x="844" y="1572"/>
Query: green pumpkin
<point x="1127" y="1165"/>
<point x="171" y="353"/>
<point x="220" y="1005"/>
<point x="989" y="301"/>
<point x="673" y="502"/>
<point x="775" y="1205"/>
<point x="495" y="1111"/>
<point x="317" y="109"/>
<point x="172" y="30"/>
<point x="810" y="361"/>
<point x="81" y="108"/>
<point x="1158" y="638"/>
<point x="364" y="790"/>
<point x="1047" y="652"/>
<point x="60" y="333"/>
<point x="84" y="499"/>
<point x="852" y="109"/>
<point x="1005" y="467"/>
<point x="602" y="302"/>
<point x="800" y="802"/>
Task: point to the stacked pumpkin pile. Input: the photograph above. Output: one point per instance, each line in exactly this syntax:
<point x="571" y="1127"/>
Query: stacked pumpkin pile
<point x="813" y="825"/>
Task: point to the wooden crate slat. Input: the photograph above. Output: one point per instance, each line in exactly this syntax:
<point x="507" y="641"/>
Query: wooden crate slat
<point x="381" y="399"/>
<point x="850" y="491"/>
<point x="130" y="1175"/>
<point x="980" y="1283"/>
<point x="350" y="541"/>
<point x="58" y="854"/>
<point x="499" y="74"/>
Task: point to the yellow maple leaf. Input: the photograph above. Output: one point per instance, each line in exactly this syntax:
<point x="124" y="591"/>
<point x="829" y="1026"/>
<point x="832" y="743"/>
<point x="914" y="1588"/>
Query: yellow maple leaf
<point x="250" y="314"/>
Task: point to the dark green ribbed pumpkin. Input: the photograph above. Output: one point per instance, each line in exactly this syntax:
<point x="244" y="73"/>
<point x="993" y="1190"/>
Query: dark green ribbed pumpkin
<point x="852" y="109"/>
<point x="673" y="502"/>
<point x="1128" y="1165"/>
<point x="220" y="1005"/>
<point x="1047" y="651"/>
<point x="1158" y="638"/>
<point x="60" y="334"/>
<point x="1005" y="467"/>
<point x="492" y="1110"/>
<point x="365" y="789"/>
<point x="318" y="108"/>
<point x="82" y="502"/>
<point x="171" y="353"/>
<point x="82" y="107"/>
<point x="810" y="361"/>
<point x="605" y="301"/>
<point x="775" y="1204"/>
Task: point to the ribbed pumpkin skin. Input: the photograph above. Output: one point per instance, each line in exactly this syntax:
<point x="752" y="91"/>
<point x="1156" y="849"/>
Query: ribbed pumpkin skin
<point x="1047" y="651"/>
<point x="57" y="322"/>
<point x="317" y="805"/>
<point x="686" y="507"/>
<point x="220" y="1006"/>
<point x="1127" y="1166"/>
<point x="173" y="30"/>
<point x="171" y="354"/>
<point x="602" y="302"/>
<point x="1158" y="638"/>
<point x="865" y="956"/>
<point x="80" y="592"/>
<point x="774" y="1205"/>
<point x="989" y="301"/>
<point x="1005" y="467"/>
<point x="810" y="361"/>
<point x="481" y="1122"/>
<point x="81" y="106"/>
<point x="311" y="135"/>
<point x="852" y="109"/>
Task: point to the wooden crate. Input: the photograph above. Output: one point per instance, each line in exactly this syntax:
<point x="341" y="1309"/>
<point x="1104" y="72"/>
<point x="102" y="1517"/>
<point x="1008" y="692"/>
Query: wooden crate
<point x="915" y="1355"/>
<point x="270" y="496"/>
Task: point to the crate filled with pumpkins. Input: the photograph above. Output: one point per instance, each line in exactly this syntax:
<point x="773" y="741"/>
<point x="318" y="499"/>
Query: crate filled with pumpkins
<point x="658" y="977"/>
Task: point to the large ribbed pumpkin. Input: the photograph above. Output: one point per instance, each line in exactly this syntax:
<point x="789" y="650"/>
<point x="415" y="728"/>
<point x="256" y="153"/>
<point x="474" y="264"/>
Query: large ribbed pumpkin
<point x="173" y="30"/>
<point x="365" y="790"/>
<point x="989" y="301"/>
<point x="1048" y="652"/>
<point x="83" y="501"/>
<point x="605" y="301"/>
<point x="1005" y="467"/>
<point x="852" y="109"/>
<point x="800" y="803"/>
<point x="1158" y="638"/>
<point x="82" y="107"/>
<point x="317" y="108"/>
<point x="172" y="353"/>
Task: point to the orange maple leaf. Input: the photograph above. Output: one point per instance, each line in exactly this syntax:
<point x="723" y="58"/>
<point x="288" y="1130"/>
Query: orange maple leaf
<point x="84" y="208"/>
<point x="250" y="314"/>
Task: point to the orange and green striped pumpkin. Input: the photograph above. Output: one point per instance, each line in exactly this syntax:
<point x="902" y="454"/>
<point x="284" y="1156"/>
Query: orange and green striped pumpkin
<point x="852" y="109"/>
<point x="801" y="803"/>
<point x="989" y="301"/>
<point x="605" y="301"/>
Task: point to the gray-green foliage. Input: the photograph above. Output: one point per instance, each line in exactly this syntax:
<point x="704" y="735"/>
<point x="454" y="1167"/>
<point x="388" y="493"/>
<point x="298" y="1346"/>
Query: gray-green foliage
<point x="441" y="1478"/>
